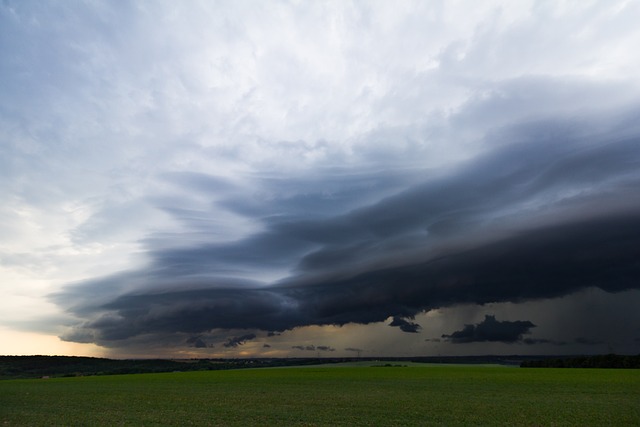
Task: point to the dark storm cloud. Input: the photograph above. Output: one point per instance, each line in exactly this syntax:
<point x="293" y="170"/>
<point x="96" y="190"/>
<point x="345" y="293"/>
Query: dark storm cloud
<point x="491" y="330"/>
<point x="404" y="325"/>
<point x="547" y="213"/>
<point x="237" y="341"/>
<point x="196" y="342"/>
<point x="541" y="263"/>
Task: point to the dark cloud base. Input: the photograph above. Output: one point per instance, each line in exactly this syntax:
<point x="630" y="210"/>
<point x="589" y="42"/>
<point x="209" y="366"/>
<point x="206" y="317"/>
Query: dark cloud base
<point x="537" y="219"/>
<point x="542" y="263"/>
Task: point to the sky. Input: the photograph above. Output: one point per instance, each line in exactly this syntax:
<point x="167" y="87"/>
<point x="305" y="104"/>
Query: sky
<point x="330" y="178"/>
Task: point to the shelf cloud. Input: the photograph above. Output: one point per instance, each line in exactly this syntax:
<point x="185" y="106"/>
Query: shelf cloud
<point x="528" y="221"/>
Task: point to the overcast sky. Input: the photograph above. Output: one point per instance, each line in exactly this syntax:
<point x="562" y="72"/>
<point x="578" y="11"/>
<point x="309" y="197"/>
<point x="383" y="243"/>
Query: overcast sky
<point x="335" y="178"/>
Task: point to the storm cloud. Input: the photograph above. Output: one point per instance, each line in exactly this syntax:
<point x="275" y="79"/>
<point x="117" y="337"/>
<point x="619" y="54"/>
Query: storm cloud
<point x="532" y="220"/>
<point x="491" y="330"/>
<point x="187" y="178"/>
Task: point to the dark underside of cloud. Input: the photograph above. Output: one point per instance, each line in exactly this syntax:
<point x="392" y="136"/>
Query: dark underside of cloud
<point x="237" y="341"/>
<point x="532" y="220"/>
<point x="491" y="330"/>
<point x="543" y="263"/>
<point x="404" y="325"/>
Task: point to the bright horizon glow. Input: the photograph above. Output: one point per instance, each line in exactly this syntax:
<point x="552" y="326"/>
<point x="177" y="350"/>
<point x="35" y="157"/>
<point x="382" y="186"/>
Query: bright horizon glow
<point x="16" y="343"/>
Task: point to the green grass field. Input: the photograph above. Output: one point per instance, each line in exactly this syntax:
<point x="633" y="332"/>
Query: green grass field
<point x="323" y="395"/>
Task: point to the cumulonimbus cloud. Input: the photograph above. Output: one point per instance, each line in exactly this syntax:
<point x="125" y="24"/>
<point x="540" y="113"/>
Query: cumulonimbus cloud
<point x="531" y="220"/>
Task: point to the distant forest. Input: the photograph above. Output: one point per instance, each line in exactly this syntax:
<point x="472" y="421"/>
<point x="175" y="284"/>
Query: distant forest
<point x="602" y="361"/>
<point x="14" y="367"/>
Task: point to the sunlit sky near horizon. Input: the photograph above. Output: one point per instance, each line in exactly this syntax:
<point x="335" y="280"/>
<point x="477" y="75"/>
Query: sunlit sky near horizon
<point x="329" y="178"/>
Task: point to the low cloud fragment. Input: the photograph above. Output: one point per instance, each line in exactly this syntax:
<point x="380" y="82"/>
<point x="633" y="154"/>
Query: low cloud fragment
<point x="491" y="330"/>
<point x="196" y="342"/>
<point x="313" y="347"/>
<point x="358" y="351"/>
<point x="405" y="325"/>
<point x="237" y="341"/>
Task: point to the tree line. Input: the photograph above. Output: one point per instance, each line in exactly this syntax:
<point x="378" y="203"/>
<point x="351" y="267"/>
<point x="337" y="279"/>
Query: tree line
<point x="14" y="367"/>
<point x="600" y="361"/>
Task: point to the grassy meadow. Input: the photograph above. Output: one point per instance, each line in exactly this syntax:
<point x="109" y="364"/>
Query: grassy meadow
<point x="326" y="395"/>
